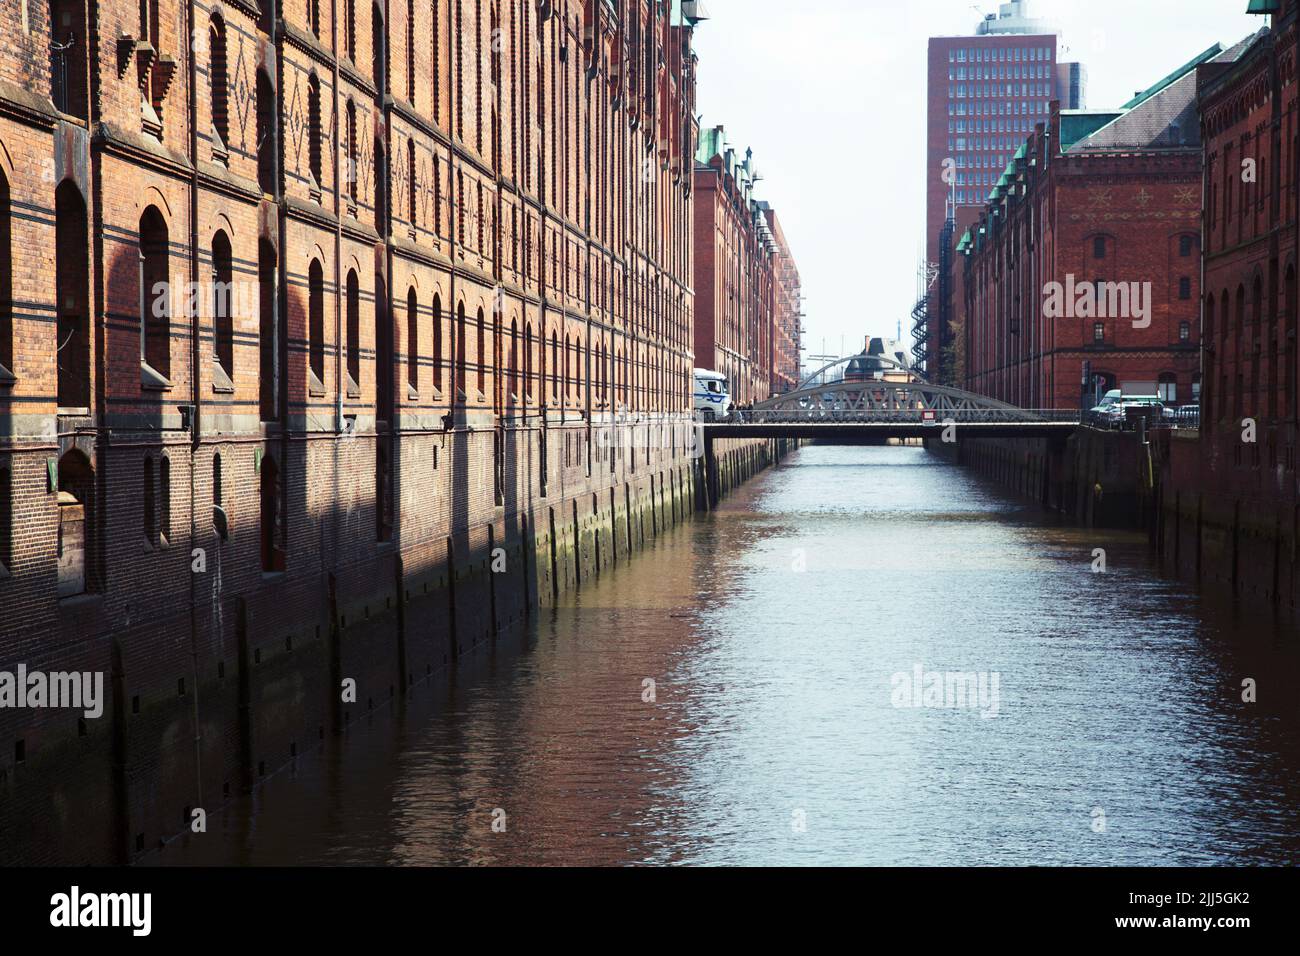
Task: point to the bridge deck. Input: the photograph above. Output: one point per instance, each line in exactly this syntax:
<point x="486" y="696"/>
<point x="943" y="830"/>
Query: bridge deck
<point x="849" y="431"/>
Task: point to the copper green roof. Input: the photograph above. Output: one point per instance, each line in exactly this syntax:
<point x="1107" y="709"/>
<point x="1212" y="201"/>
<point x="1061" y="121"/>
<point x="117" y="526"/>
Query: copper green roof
<point x="964" y="242"/>
<point x="1079" y="124"/>
<point x="1023" y="151"/>
<point x="1174" y="76"/>
<point x="1264" y="6"/>
<point x="711" y="144"/>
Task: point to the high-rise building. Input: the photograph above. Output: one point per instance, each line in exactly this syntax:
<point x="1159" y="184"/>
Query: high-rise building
<point x="985" y="94"/>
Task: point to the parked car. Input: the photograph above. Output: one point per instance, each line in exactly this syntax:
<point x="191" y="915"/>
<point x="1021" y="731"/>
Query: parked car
<point x="1142" y="408"/>
<point x="1122" y="411"/>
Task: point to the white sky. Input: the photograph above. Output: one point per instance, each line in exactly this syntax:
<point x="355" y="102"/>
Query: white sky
<point x="830" y="94"/>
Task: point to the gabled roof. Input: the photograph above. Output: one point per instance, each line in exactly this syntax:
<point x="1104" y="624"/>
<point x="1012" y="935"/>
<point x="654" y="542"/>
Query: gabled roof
<point x="1163" y="117"/>
<point x="1188" y="67"/>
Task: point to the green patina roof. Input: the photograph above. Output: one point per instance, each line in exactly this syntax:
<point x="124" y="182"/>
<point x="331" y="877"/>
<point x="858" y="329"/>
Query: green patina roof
<point x="711" y="144"/>
<point x="1264" y="6"/>
<point x="1023" y="151"/>
<point x="964" y="242"/>
<point x="1174" y="76"/>
<point x="1078" y="124"/>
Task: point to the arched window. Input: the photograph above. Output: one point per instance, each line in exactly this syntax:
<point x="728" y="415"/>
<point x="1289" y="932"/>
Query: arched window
<point x="6" y="287"/>
<point x="164" y="500"/>
<point x="410" y="51"/>
<point x="218" y="491"/>
<point x="438" y="357"/>
<point x="266" y="133"/>
<point x="316" y="322"/>
<point x="528" y="363"/>
<point x="350" y="153"/>
<point x="514" y="360"/>
<point x="411" y="184"/>
<point x="436" y="66"/>
<point x="555" y="368"/>
<point x="413" y="340"/>
<point x="155" y="300"/>
<point x="383" y="353"/>
<point x="378" y="38"/>
<point x="354" y="329"/>
<point x="480" y="355"/>
<point x="68" y="50"/>
<point x="383" y="493"/>
<point x="219" y="87"/>
<point x="150" y="506"/>
<point x="1167" y="388"/>
<point x="76" y="540"/>
<point x="223" y="322"/>
<point x="268" y="332"/>
<point x="350" y="29"/>
<point x="568" y="367"/>
<point x="460" y="349"/>
<point x="314" y="144"/>
<point x="72" y="282"/>
<point x="272" y="517"/>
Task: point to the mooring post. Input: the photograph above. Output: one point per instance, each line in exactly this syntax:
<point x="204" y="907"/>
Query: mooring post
<point x="711" y="470"/>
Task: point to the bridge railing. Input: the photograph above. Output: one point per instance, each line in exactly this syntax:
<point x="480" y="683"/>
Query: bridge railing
<point x="909" y="416"/>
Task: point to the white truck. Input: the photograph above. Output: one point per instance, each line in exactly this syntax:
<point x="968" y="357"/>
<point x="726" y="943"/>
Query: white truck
<point x="712" y="395"/>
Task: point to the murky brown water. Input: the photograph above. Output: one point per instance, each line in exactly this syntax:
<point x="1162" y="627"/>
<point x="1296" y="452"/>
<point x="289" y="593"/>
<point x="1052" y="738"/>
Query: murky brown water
<point x="780" y="635"/>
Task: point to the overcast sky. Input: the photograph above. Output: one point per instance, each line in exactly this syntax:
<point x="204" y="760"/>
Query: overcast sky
<point x="830" y="94"/>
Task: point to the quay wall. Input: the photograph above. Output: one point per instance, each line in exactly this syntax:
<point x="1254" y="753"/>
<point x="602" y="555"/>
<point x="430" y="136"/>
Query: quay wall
<point x="222" y="676"/>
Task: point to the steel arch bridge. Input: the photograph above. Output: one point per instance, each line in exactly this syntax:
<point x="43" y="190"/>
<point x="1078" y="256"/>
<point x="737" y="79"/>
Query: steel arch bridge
<point x="874" y="408"/>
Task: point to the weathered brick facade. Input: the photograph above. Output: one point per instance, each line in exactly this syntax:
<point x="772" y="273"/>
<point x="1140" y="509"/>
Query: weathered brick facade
<point x="735" y="264"/>
<point x="1231" y="500"/>
<point x="1119" y="206"/>
<point x="787" y="311"/>
<point x="458" y="242"/>
<point x="1249" y="123"/>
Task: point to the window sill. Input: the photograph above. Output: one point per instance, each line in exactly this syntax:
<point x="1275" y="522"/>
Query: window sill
<point x="7" y="378"/>
<point x="315" y="387"/>
<point x="152" y="380"/>
<point x="221" y="383"/>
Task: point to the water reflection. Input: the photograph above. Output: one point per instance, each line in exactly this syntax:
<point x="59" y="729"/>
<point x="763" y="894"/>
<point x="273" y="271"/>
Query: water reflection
<point x="772" y="632"/>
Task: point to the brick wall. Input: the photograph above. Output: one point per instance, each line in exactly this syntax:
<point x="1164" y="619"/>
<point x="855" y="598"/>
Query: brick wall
<point x="549" y="194"/>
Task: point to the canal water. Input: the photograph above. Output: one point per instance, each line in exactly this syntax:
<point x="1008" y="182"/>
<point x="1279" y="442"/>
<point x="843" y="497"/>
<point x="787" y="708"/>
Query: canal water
<point x="784" y="682"/>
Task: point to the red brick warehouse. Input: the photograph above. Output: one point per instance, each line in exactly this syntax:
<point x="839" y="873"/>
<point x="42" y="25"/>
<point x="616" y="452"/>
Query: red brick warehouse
<point x="1248" y="117"/>
<point x="1102" y="206"/>
<point x="735" y="271"/>
<point x="1232" y="496"/>
<point x="459" y="239"/>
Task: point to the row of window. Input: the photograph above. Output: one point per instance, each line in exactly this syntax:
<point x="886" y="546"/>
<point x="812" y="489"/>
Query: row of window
<point x="155" y="302"/>
<point x="1184" y="328"/>
<point x="961" y="91"/>
<point x="1001" y="54"/>
<point x="1003" y="143"/>
<point x="1039" y="71"/>
<point x="1038" y="108"/>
